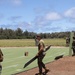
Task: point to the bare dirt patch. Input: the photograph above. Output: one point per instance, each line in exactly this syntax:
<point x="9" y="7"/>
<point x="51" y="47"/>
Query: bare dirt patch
<point x="62" y="66"/>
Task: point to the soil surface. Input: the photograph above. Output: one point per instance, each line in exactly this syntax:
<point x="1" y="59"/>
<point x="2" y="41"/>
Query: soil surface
<point x="62" y="66"/>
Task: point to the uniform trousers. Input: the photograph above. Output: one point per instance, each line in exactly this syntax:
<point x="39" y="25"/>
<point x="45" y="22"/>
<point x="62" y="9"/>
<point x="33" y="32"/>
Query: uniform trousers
<point x="40" y="62"/>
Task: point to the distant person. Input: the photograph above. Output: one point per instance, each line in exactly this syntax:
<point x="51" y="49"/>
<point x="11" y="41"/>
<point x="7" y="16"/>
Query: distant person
<point x="67" y="41"/>
<point x="36" y="42"/>
<point x="41" y="55"/>
<point x="1" y="60"/>
<point x="73" y="46"/>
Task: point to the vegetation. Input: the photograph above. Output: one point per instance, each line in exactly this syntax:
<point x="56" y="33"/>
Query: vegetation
<point x="20" y="38"/>
<point x="20" y="34"/>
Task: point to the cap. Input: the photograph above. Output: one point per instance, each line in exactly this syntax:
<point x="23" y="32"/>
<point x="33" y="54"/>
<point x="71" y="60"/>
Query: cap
<point x="38" y="35"/>
<point x="73" y="37"/>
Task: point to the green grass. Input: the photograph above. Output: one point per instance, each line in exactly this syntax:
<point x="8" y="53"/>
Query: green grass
<point x="17" y="43"/>
<point x="14" y="58"/>
<point x="30" y="42"/>
<point x="55" y="42"/>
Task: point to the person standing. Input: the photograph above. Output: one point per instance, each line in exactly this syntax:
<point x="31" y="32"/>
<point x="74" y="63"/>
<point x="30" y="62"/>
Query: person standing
<point x="1" y="60"/>
<point x="67" y="41"/>
<point x="41" y="54"/>
<point x="36" y="42"/>
<point x="73" y="46"/>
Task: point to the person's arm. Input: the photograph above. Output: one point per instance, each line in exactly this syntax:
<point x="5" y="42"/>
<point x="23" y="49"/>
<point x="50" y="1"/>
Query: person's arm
<point x="1" y="52"/>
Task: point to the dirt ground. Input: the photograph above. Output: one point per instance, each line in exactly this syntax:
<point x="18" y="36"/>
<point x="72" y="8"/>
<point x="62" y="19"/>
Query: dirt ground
<point x="62" y="66"/>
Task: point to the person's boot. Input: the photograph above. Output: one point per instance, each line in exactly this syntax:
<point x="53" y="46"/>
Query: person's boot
<point x="73" y="54"/>
<point x="47" y="70"/>
<point x="39" y="74"/>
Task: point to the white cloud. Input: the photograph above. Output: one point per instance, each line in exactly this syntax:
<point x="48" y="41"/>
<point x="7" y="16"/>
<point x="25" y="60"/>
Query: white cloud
<point x="53" y="16"/>
<point x="46" y="19"/>
<point x="13" y="2"/>
<point x="70" y="13"/>
<point x="16" y="2"/>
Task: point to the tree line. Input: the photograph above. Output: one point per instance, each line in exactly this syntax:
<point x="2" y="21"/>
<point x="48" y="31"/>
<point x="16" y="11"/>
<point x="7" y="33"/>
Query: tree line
<point x="20" y="34"/>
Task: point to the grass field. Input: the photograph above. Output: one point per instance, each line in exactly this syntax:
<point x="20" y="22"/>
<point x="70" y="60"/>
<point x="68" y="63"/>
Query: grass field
<point x="14" y="58"/>
<point x="30" y="42"/>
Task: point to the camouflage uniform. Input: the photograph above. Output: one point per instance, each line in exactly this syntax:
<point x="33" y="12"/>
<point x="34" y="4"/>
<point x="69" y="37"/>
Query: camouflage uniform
<point x="41" y="56"/>
<point x="1" y="59"/>
<point x="73" y="46"/>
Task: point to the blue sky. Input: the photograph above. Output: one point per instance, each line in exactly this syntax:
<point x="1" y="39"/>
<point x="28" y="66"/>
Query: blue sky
<point x="38" y="15"/>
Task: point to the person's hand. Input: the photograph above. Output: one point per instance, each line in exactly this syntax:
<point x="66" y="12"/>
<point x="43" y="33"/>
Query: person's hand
<point x="37" y="54"/>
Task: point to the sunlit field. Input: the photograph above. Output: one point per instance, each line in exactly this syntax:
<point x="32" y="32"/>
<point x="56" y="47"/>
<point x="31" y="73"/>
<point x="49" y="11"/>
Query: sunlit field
<point x="14" y="58"/>
<point x="30" y="42"/>
<point x="14" y="50"/>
